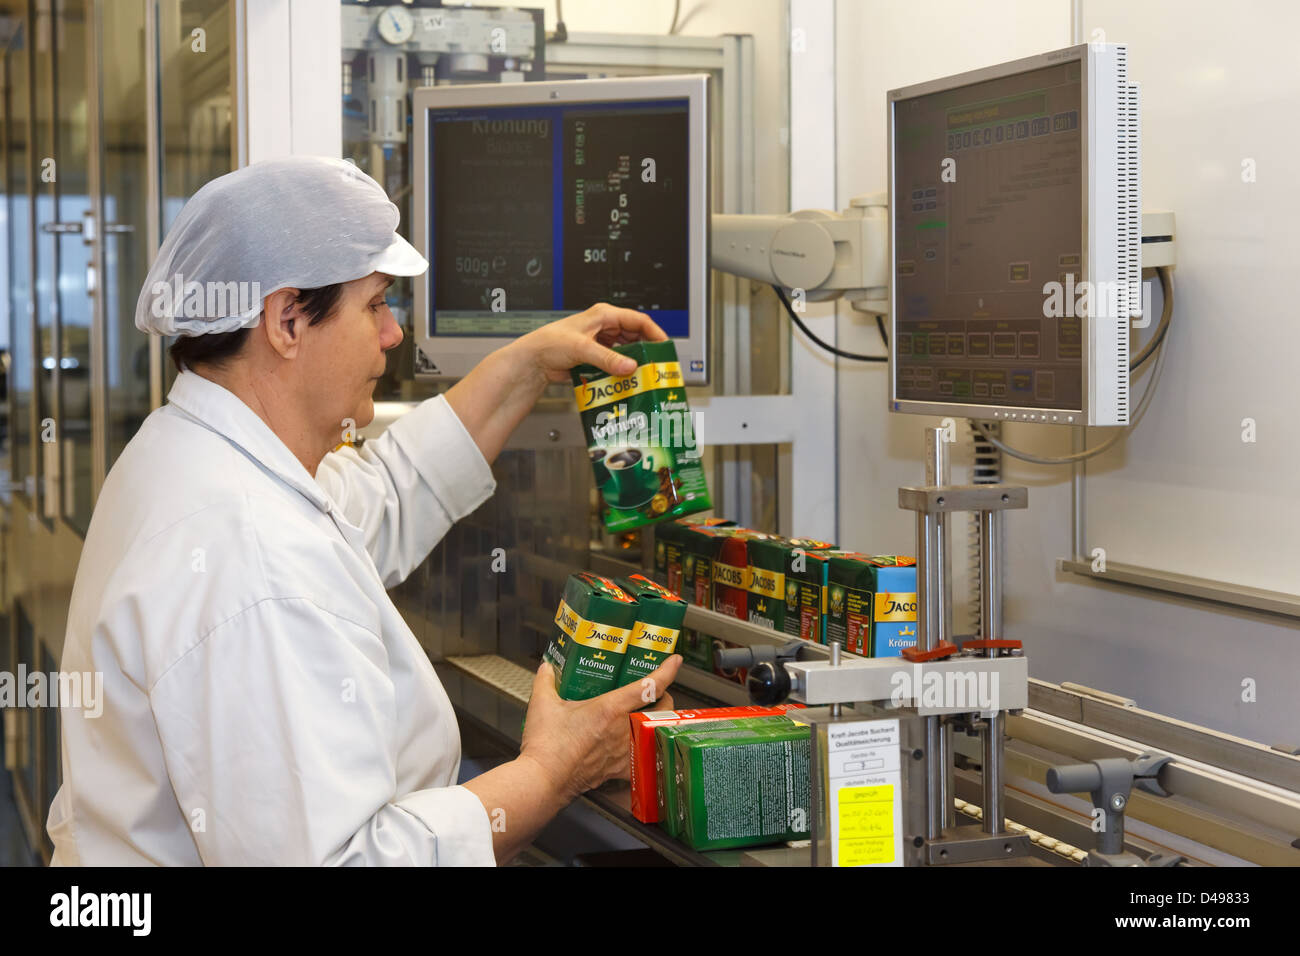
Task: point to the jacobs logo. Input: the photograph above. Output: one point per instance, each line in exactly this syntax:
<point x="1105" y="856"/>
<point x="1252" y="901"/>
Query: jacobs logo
<point x="606" y="388"/>
<point x="567" y="619"/>
<point x="729" y="575"/>
<point x="895" y="607"/>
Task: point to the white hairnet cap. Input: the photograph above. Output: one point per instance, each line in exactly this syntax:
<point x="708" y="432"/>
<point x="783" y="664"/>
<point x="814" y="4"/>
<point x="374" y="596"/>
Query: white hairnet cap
<point x="301" y="222"/>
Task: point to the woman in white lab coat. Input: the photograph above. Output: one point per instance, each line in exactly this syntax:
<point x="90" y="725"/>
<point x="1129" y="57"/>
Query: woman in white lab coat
<point x="263" y="702"/>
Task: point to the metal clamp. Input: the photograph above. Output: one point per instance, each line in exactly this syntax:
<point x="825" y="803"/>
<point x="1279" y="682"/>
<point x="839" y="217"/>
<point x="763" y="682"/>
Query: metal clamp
<point x="1110" y="782"/>
<point x="941" y="499"/>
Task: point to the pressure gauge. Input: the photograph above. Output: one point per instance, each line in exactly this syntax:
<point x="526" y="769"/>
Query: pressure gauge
<point x="396" y="25"/>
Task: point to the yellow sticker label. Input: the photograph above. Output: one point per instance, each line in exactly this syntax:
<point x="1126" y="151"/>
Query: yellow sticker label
<point x="771" y="583"/>
<point x="589" y="633"/>
<point x="866" y="830"/>
<point x="731" y="575"/>
<point x="652" y="637"/>
<point x="615" y="388"/>
<point x="895" y="606"/>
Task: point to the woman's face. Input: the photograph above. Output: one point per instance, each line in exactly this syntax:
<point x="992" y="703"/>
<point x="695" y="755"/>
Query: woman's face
<point x="347" y="352"/>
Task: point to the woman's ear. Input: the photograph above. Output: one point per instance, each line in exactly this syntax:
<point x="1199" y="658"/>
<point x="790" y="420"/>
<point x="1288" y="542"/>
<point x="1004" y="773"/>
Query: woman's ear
<point x="280" y="317"/>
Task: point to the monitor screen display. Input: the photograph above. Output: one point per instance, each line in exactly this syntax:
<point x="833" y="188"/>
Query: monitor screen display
<point x="989" y="184"/>
<point x="539" y="211"/>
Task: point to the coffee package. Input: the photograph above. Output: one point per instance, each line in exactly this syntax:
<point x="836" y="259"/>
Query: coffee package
<point x="744" y="786"/>
<point x="641" y="755"/>
<point x="697" y="547"/>
<point x="668" y="776"/>
<point x="871" y="603"/>
<point x="589" y="638"/>
<point x="641" y="438"/>
<point x="731" y="584"/>
<point x="658" y="625"/>
<point x="787" y="585"/>
<point x="668" y="547"/>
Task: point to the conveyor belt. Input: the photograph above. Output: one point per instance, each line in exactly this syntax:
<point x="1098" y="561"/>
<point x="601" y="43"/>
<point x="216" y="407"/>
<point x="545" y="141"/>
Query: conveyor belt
<point x="514" y="683"/>
<point x="509" y="678"/>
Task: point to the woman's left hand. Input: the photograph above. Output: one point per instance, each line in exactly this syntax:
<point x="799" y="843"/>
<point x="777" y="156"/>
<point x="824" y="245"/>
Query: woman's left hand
<point x="585" y="339"/>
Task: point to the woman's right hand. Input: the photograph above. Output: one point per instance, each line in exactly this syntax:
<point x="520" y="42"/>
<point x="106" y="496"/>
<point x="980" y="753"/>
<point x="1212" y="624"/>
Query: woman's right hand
<point x="579" y="744"/>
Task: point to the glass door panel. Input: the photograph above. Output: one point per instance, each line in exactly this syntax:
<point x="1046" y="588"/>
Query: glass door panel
<point x="124" y="185"/>
<point x="20" y="216"/>
<point x="70" y="188"/>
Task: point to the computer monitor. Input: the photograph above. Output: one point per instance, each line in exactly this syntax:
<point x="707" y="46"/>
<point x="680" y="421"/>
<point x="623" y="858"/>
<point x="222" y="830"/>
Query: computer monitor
<point x="1015" y="224"/>
<point x="533" y="201"/>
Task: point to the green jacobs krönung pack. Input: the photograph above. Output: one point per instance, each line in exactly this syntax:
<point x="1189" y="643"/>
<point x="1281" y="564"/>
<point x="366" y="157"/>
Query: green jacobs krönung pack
<point x="641" y="438"/>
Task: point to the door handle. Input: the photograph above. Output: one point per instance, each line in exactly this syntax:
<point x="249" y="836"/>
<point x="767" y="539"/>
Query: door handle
<point x="61" y="227"/>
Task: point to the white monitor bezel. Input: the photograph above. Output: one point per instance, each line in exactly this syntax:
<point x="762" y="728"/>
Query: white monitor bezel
<point x="1092" y="411"/>
<point x="454" y="356"/>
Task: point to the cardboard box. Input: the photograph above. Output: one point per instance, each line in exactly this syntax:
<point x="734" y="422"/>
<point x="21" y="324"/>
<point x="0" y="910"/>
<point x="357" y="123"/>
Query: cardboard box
<point x="668" y="775"/>
<point x="871" y="603"/>
<point x="641" y="747"/>
<point x="731" y="583"/>
<point x="668" y="547"/>
<point x="746" y="786"/>
<point x="697" y="547"/>
<point x="788" y="585"/>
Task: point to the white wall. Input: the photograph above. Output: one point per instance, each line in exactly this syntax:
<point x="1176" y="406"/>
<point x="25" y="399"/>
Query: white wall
<point x="1182" y="658"/>
<point x="1219" y="148"/>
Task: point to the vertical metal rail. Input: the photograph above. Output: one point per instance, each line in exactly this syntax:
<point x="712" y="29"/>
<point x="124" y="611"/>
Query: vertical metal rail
<point x="932" y="616"/>
<point x="990" y="526"/>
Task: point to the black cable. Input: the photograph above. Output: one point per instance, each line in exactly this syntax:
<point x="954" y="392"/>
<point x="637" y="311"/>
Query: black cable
<point x="561" y="34"/>
<point x="880" y="324"/>
<point x="825" y="345"/>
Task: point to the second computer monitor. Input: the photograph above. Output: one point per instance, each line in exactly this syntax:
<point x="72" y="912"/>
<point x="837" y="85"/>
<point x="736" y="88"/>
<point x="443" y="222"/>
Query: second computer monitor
<point x="1015" y="216"/>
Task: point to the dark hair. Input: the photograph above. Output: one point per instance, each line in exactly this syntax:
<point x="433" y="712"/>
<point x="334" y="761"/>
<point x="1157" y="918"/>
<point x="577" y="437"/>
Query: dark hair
<point x="317" y="304"/>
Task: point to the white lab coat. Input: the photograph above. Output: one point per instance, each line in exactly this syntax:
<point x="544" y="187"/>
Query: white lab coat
<point x="264" y="702"/>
